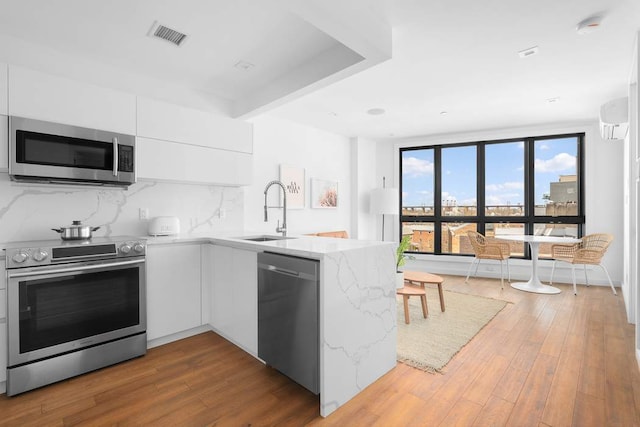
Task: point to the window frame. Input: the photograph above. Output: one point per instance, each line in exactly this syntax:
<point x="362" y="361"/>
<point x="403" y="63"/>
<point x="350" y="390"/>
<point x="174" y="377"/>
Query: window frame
<point x="529" y="219"/>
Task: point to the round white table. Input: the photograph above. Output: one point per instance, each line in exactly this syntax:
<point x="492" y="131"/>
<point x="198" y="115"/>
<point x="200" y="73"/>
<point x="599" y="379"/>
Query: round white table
<point x="534" y="284"/>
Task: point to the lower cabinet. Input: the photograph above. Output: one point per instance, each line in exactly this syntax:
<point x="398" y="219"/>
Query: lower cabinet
<point x="173" y="289"/>
<point x="234" y="296"/>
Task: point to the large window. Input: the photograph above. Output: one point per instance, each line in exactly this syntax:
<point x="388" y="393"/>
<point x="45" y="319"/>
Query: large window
<point x="523" y="186"/>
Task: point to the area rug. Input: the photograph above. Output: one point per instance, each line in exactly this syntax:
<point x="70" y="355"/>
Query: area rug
<point x="429" y="344"/>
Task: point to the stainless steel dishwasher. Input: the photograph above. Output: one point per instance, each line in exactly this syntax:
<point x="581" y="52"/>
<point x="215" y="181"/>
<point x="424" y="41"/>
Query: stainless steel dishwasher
<point x="288" y="317"/>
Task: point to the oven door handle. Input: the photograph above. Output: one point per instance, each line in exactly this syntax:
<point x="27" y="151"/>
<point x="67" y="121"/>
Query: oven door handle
<point x="12" y="274"/>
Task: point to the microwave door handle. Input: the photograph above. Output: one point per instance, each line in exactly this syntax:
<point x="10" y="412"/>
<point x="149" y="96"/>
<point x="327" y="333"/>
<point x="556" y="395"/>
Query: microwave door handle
<point x="115" y="156"/>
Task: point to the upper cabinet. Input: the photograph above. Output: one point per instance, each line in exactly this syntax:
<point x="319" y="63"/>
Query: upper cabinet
<point x="186" y="163"/>
<point x="169" y="122"/>
<point x="174" y="143"/>
<point x="51" y="98"/>
<point x="181" y="144"/>
<point x="3" y="89"/>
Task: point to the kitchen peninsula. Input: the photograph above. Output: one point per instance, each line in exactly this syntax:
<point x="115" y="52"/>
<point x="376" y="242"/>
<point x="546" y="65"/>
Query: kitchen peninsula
<point x="357" y="304"/>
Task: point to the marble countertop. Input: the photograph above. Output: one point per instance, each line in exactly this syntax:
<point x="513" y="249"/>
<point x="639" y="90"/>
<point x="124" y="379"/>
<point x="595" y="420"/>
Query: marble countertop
<point x="299" y="245"/>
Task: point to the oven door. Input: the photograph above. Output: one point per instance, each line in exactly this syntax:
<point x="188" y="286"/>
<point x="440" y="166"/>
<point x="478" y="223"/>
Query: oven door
<point x="45" y="150"/>
<point x="62" y="308"/>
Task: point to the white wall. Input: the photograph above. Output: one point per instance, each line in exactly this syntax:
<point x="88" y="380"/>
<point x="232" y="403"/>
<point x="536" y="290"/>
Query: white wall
<point x="603" y="204"/>
<point x="322" y="154"/>
<point x="632" y="199"/>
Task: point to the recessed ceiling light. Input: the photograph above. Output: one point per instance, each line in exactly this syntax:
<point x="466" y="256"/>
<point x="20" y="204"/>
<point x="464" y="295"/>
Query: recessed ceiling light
<point x="528" y="52"/>
<point x="244" y="65"/>
<point x="376" y="111"/>
<point x="553" y="100"/>
<point x="589" y="25"/>
<point x="444" y="113"/>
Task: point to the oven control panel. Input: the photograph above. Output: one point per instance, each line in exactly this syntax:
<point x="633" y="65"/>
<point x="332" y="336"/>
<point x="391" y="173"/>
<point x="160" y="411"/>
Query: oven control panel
<point x="30" y="254"/>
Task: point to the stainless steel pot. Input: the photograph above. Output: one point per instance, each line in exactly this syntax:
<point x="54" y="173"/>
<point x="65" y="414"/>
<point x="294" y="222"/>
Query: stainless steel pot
<point x="76" y="231"/>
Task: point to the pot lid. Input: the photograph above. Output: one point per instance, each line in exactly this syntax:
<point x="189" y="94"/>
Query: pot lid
<point x="76" y="224"/>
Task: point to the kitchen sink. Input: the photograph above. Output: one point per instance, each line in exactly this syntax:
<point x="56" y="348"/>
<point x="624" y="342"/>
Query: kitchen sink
<point x="265" y="238"/>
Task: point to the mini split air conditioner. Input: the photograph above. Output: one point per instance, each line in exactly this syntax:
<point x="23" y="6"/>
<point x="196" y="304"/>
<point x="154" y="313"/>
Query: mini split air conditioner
<point x="614" y="119"/>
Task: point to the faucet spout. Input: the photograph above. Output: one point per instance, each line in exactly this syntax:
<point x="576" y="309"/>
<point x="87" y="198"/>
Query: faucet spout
<point x="279" y="229"/>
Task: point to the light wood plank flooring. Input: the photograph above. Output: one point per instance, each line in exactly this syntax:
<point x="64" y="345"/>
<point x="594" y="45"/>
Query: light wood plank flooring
<point x="545" y="360"/>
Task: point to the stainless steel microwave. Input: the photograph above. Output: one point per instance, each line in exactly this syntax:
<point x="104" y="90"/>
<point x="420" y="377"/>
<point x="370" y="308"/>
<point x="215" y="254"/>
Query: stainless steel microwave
<point x="42" y="151"/>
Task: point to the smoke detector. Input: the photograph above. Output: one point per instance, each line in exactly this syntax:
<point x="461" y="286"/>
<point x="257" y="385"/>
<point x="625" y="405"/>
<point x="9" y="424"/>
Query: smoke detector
<point x="589" y="25"/>
<point x="165" y="33"/>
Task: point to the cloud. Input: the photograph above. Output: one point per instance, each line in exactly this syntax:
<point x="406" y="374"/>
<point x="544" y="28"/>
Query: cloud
<point x="504" y="193"/>
<point x="560" y="162"/>
<point x="503" y="199"/>
<point x="494" y="188"/>
<point x="414" y="167"/>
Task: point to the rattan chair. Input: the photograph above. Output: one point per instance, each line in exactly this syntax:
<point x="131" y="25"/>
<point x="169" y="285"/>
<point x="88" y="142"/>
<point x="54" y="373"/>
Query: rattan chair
<point x="483" y="249"/>
<point x="589" y="251"/>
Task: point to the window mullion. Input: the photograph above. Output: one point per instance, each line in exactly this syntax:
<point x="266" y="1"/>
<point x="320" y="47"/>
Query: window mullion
<point x="437" y="200"/>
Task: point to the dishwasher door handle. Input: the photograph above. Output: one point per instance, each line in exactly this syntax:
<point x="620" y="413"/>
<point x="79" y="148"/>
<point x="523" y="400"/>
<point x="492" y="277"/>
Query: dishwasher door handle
<point x="280" y="270"/>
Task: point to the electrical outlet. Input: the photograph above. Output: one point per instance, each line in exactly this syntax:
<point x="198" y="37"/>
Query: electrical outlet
<point x="143" y="213"/>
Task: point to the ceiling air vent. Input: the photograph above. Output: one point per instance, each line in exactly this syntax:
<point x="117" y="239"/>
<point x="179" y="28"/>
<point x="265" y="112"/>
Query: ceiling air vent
<point x="165" y="33"/>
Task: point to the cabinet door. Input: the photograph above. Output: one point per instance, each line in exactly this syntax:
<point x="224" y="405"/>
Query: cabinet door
<point x="234" y="296"/>
<point x="3" y="89"/>
<point x="173" y="289"/>
<point x="51" y="98"/>
<point x="169" y="122"/>
<point x="173" y="161"/>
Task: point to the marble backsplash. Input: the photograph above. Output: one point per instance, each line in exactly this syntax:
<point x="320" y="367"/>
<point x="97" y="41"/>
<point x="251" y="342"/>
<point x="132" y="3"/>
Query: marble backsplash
<point x="29" y="212"/>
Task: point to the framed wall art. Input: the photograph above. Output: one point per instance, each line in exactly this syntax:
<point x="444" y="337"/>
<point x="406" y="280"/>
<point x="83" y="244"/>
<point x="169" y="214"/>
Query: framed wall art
<point x="293" y="179"/>
<point x="324" y="193"/>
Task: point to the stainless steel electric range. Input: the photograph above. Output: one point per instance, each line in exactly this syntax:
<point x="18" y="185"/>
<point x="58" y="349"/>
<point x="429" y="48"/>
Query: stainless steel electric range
<point x="72" y="307"/>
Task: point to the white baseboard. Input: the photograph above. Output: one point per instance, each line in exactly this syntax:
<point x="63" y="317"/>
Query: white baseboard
<point x="177" y="336"/>
<point x="520" y="269"/>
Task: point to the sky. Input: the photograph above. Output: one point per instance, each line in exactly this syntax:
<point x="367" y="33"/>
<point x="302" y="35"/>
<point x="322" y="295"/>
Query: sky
<point x="504" y="178"/>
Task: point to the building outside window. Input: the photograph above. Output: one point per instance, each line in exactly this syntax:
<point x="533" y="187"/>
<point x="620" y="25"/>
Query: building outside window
<point x="524" y="186"/>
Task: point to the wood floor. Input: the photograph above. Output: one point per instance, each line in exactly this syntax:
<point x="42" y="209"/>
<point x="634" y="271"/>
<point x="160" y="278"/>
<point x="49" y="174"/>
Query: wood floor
<point x="545" y="360"/>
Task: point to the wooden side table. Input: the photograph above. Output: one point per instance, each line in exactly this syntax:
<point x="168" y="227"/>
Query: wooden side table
<point x="422" y="278"/>
<point x="409" y="291"/>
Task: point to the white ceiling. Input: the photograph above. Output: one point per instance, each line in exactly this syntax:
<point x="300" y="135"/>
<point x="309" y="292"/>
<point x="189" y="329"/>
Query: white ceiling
<point x="458" y="56"/>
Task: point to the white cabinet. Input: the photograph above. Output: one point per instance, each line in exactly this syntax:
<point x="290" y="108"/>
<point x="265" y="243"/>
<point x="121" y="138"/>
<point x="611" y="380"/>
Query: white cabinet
<point x="177" y="162"/>
<point x="173" y="289"/>
<point x="3" y="89"/>
<point x="43" y="96"/>
<point x="181" y="144"/>
<point x="169" y="122"/>
<point x="3" y="325"/>
<point x="234" y="296"/>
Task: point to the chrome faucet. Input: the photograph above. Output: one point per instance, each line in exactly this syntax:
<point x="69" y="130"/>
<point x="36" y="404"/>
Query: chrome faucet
<point x="279" y="229"/>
